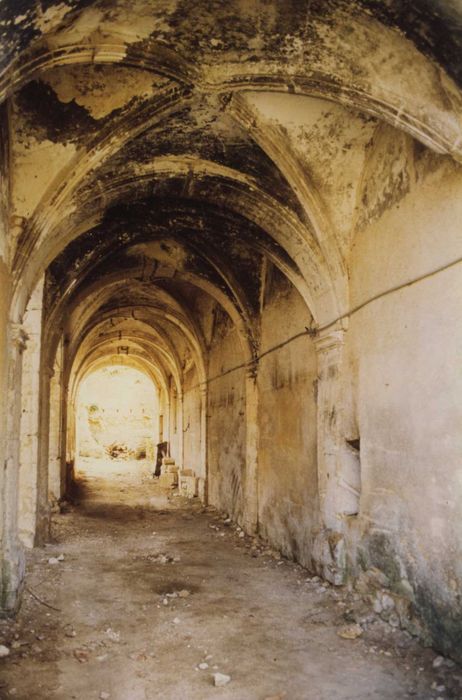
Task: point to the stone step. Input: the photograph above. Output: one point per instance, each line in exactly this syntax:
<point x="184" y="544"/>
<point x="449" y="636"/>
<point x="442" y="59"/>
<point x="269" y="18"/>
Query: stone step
<point x="168" y="481"/>
<point x="187" y="486"/>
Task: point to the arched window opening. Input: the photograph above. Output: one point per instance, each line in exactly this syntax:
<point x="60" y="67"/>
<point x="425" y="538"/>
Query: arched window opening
<point x="117" y="422"/>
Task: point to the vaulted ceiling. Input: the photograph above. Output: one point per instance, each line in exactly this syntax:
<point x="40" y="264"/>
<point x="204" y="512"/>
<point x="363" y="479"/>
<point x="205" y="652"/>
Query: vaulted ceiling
<point x="160" y="155"/>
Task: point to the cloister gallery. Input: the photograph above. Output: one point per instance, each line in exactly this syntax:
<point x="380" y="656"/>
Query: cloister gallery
<point x="230" y="239"/>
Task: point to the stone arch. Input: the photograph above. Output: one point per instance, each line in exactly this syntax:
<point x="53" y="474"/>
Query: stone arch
<point x="242" y="196"/>
<point x="349" y="82"/>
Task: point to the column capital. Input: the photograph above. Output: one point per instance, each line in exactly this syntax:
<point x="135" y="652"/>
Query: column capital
<point x="329" y="339"/>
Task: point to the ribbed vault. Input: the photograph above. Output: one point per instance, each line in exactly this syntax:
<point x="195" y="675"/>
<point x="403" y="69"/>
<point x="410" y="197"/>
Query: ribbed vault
<point x="217" y="194"/>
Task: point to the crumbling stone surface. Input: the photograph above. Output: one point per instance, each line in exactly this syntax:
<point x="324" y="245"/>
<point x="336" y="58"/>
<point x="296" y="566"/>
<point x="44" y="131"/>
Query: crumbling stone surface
<point x="246" y="203"/>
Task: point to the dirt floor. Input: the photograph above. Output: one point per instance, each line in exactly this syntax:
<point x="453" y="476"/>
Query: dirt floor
<point x="155" y="594"/>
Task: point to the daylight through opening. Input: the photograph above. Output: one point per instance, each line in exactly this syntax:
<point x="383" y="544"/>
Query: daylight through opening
<point x="117" y="421"/>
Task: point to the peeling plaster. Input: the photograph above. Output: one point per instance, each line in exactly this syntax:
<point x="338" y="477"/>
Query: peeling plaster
<point x="51" y="18"/>
<point x="102" y="89"/>
<point x="165" y="251"/>
<point x="330" y="143"/>
<point x="38" y="163"/>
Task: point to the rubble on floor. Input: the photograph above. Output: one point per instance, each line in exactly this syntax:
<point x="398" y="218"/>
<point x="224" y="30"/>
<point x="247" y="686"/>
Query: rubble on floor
<point x="159" y="573"/>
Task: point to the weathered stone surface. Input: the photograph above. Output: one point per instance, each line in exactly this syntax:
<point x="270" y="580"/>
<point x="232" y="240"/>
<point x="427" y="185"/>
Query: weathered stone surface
<point x="258" y="209"/>
<point x="168" y="481"/>
<point x="329" y="556"/>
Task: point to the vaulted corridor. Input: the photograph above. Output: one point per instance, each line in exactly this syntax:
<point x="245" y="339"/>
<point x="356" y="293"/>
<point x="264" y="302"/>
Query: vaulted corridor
<point x="230" y="272"/>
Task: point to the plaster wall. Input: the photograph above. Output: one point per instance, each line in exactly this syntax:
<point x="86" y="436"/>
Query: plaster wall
<point x="4" y="303"/>
<point x="5" y="294"/>
<point x="226" y="423"/>
<point x="192" y="422"/>
<point x="404" y="355"/>
<point x="287" y="474"/>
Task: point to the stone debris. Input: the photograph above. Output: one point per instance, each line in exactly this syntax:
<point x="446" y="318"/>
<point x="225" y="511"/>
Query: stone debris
<point x="350" y="632"/>
<point x="184" y="593"/>
<point x="158" y="558"/>
<point x="4" y="651"/>
<point x="104" y="696"/>
<point x="220" y="679"/>
<point x="56" y="560"/>
<point x="387" y="602"/>
<point x="163" y="559"/>
<point x="348" y="608"/>
<point x="82" y="655"/>
<point x="113" y="636"/>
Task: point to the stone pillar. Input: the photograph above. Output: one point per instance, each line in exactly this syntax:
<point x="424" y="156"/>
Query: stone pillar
<point x="251" y="462"/>
<point x="167" y="422"/>
<point x="68" y="433"/>
<point x="72" y="447"/>
<point x="42" y="530"/>
<point x="329" y="546"/>
<point x="174" y="434"/>
<point x="180" y="422"/>
<point x="29" y="424"/>
<point x="13" y="565"/>
<point x="203" y="478"/>
<point x="329" y="347"/>
<point x="56" y="483"/>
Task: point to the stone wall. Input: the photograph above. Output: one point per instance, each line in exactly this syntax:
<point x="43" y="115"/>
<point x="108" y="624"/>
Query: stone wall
<point x="226" y="422"/>
<point x="404" y="357"/>
<point x="287" y="474"/>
